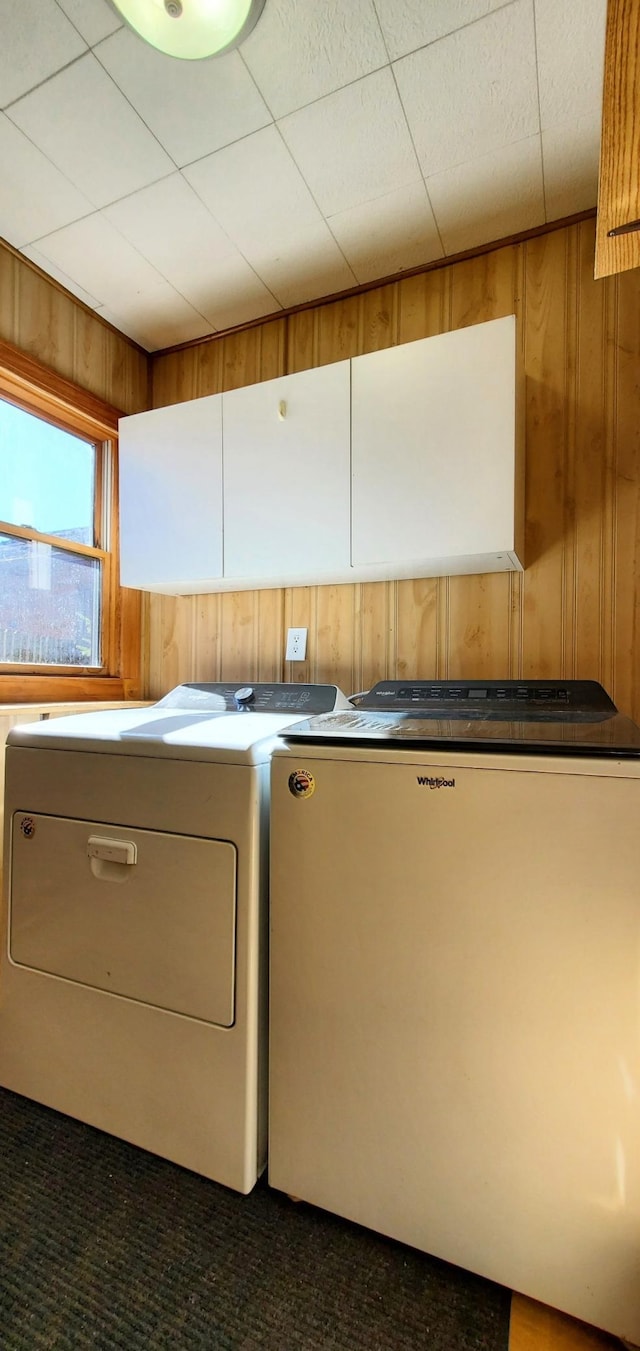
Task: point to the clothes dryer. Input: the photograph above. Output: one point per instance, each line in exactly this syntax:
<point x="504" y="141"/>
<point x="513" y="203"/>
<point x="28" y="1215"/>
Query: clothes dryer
<point x="455" y="979"/>
<point x="133" y="976"/>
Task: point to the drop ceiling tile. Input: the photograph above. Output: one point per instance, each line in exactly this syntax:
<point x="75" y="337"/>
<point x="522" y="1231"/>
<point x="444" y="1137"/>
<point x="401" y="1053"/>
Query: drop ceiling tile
<point x="570" y="155"/>
<point x="254" y="190"/>
<point x="489" y="198"/>
<point x="300" y="52"/>
<point x="36" y="198"/>
<point x="94" y="19"/>
<point x="45" y="265"/>
<point x="388" y="235"/>
<point x="156" y="318"/>
<point x="193" y="107"/>
<point x="306" y="265"/>
<point x="96" y="257"/>
<point x="89" y="130"/>
<point x="170" y="226"/>
<point x="409" y="24"/>
<point x="230" y="293"/>
<point x="353" y="145"/>
<point x="570" y="41"/>
<point x="472" y="92"/>
<point x="37" y="41"/>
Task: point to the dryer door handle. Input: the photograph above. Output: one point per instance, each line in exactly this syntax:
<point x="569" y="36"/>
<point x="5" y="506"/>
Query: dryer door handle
<point x="112" y="851"/>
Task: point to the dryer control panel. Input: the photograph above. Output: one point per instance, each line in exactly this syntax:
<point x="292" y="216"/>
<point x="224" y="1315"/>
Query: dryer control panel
<point x="226" y="697"/>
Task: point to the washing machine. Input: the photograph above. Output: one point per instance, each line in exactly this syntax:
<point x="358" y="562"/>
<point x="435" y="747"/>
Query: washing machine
<point x="133" y="965"/>
<point x="455" y="981"/>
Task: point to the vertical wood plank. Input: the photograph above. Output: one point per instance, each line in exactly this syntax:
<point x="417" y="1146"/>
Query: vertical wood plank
<point x="171" y="642"/>
<point x="545" y="369"/>
<point x="423" y="305"/>
<point x="591" y="482"/>
<point x="239" y="635"/>
<point x="45" y="321"/>
<point x="8" y="324"/>
<point x="335" y="661"/>
<point x="418" y="628"/>
<point x="207" y="638"/>
<point x="300" y="612"/>
<point x="375" y="636"/>
<point x="626" y="469"/>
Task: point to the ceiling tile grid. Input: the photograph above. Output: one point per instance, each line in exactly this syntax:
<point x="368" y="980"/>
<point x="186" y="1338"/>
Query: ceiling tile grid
<point x="342" y="142"/>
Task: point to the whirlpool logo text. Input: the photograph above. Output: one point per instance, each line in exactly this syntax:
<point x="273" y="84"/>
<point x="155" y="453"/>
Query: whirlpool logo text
<point x="425" y="781"/>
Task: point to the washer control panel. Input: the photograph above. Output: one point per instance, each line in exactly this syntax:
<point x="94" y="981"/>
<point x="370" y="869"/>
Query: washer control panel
<point x="584" y="696"/>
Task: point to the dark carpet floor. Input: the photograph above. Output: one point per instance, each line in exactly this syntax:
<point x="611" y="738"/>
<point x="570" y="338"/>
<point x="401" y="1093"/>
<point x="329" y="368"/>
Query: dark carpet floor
<point x="104" y="1246"/>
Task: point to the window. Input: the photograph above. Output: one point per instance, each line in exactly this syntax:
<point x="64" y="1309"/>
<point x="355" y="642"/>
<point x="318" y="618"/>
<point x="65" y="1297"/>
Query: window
<point x="66" y="629"/>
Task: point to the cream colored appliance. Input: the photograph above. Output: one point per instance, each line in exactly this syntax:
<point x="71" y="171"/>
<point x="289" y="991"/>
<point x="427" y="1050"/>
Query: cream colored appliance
<point x="133" y="967"/>
<point x="455" y="981"/>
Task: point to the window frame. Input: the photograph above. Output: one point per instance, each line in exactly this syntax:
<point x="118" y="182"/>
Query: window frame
<point x="37" y="389"/>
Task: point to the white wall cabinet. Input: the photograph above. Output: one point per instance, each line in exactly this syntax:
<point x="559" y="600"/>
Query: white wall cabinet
<point x="400" y="463"/>
<point x="170" y="468"/>
<point x="433" y="447"/>
<point x="286" y="477"/>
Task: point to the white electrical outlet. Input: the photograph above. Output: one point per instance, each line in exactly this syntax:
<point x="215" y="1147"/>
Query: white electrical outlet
<point x="296" y="645"/>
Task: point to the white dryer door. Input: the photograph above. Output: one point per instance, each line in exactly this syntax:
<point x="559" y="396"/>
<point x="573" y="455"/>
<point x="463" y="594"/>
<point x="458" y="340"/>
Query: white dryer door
<point x="138" y="913"/>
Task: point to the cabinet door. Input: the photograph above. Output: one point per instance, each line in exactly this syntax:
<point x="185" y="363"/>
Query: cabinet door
<point x="433" y="446"/>
<point x="286" y="477"/>
<point x="171" y="497"/>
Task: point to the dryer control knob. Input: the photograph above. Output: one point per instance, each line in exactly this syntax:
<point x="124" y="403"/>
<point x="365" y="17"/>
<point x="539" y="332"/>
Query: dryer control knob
<point x="244" y="696"/>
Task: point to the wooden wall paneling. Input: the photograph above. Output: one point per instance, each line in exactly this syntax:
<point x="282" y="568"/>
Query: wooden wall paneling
<point x="171" y="643"/>
<point x="301" y="347"/>
<point x="338" y="327"/>
<point x="418" y="629"/>
<point x="206" y="617"/>
<point x="545" y="374"/>
<point x="270" y="635"/>
<point x="424" y="304"/>
<point x="108" y="364"/>
<point x="626" y="468"/>
<point x="335" y="636"/>
<point x="48" y="324"/>
<point x="177" y="377"/>
<point x="300" y="612"/>
<point x="208" y="369"/>
<point x="375" y="636"/>
<point x="378" y="319"/>
<point x="239" y="634"/>
<point x="273" y="349"/>
<point x="241" y="358"/>
<point x="479" y="637"/>
<point x="589" y="587"/>
<point x="486" y="287"/>
<point x="45" y="326"/>
<point x="7" y="296"/>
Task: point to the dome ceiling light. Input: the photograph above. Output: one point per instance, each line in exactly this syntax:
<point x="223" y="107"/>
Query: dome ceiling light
<point x="191" y="29"/>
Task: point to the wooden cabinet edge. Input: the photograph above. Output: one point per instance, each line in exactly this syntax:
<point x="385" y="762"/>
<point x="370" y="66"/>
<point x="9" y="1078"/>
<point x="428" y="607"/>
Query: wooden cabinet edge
<point x="619" y="172"/>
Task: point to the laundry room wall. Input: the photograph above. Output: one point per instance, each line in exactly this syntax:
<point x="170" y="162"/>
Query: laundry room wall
<point x="45" y="321"/>
<point x="574" y="611"/>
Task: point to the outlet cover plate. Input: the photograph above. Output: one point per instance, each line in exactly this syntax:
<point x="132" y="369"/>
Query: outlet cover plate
<point x="296" y="648"/>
